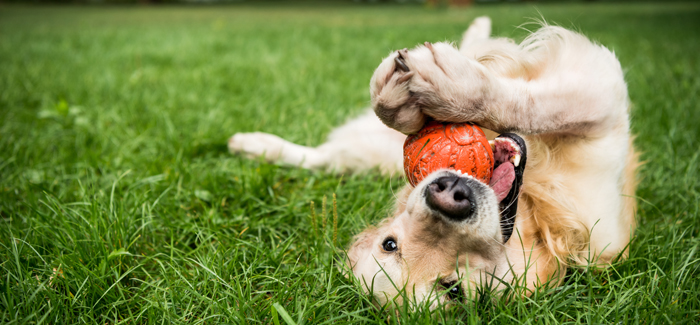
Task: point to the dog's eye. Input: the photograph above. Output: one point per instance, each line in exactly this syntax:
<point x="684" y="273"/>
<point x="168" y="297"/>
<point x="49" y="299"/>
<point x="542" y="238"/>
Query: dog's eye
<point x="454" y="290"/>
<point x="389" y="244"/>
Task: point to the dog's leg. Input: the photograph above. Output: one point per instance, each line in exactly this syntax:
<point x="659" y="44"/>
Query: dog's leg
<point x="476" y="42"/>
<point x="362" y="143"/>
<point x="479" y="30"/>
<point x="274" y="148"/>
<point x="559" y="83"/>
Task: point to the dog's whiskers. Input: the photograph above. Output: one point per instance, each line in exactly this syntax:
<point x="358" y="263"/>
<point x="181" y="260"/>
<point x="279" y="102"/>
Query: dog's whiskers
<point x="513" y="201"/>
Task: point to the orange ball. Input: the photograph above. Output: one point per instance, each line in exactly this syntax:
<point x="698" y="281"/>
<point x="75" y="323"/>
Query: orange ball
<point x="458" y="146"/>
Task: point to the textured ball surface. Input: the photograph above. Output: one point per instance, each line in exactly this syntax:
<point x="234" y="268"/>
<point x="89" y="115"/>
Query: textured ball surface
<point x="458" y="146"/>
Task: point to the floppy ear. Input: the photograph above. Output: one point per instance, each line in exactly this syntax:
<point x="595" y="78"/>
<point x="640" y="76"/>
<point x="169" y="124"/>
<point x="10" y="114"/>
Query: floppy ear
<point x="509" y="204"/>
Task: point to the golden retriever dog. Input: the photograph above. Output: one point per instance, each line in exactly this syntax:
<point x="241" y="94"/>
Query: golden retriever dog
<point x="564" y="178"/>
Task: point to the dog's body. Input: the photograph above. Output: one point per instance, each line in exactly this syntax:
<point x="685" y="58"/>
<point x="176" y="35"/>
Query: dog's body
<point x="565" y="95"/>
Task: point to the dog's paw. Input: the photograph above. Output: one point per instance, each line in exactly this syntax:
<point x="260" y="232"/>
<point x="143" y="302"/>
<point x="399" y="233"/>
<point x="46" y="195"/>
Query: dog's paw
<point x="433" y="80"/>
<point x="256" y="144"/>
<point x="393" y="102"/>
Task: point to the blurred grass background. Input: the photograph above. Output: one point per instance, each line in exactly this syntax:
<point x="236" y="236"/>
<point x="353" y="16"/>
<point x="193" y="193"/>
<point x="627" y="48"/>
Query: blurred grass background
<point x="120" y="204"/>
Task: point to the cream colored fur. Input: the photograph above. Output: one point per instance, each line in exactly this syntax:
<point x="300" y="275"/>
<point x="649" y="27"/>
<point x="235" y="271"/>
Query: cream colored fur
<point x="564" y="94"/>
<point x="361" y="144"/>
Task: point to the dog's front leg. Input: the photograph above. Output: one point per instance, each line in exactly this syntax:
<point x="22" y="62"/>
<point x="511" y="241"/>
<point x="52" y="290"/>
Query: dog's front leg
<point x="562" y="94"/>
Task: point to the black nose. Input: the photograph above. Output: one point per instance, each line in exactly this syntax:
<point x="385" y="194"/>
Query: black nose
<point x="451" y="196"/>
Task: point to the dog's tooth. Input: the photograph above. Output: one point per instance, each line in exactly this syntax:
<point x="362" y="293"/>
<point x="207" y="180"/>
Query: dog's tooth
<point x="493" y="144"/>
<point x="516" y="147"/>
<point x="516" y="160"/>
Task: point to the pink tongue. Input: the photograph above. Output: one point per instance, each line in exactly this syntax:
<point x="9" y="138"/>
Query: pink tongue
<point x="502" y="180"/>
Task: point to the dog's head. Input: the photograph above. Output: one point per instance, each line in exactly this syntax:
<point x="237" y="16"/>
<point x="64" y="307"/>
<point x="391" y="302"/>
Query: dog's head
<point x="447" y="234"/>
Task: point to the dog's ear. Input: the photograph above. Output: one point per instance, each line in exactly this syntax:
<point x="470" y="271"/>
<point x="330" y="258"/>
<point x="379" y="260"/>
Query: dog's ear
<point x="509" y="205"/>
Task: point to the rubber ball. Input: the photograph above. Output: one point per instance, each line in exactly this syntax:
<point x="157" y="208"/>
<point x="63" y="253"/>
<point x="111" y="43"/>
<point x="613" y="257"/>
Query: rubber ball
<point x="458" y="146"/>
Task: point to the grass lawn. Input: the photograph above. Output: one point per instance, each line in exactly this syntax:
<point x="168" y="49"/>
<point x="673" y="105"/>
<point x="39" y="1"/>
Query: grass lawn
<point x="119" y="202"/>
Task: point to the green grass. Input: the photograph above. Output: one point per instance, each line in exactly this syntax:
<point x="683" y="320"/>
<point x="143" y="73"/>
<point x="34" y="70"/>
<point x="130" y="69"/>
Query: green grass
<point x="120" y="204"/>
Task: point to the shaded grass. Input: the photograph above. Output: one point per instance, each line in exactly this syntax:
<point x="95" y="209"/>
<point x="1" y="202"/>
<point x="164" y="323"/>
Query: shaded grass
<point x="120" y="204"/>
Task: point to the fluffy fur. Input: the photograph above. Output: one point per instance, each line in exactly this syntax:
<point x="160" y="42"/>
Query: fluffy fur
<point x="564" y="94"/>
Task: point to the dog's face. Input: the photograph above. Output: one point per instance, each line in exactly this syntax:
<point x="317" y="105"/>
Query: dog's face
<point x="446" y="236"/>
